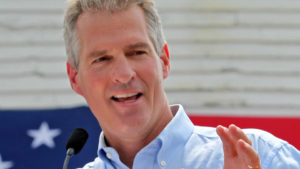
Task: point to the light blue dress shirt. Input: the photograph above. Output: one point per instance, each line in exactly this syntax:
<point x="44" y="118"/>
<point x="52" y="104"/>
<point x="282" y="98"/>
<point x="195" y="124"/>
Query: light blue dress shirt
<point x="181" y="145"/>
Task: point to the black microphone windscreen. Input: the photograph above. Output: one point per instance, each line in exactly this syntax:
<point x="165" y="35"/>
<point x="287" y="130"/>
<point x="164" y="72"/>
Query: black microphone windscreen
<point x="77" y="140"/>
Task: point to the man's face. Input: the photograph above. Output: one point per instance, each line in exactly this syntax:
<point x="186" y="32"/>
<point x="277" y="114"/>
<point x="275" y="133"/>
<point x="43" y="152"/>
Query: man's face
<point x="120" y="75"/>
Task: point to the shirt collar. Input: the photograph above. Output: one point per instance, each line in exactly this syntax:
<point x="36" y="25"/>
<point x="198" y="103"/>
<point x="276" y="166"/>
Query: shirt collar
<point x="177" y="132"/>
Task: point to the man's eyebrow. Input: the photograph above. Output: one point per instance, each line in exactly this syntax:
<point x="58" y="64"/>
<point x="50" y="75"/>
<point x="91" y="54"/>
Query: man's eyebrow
<point x="138" y="45"/>
<point x="97" y="53"/>
<point x="131" y="46"/>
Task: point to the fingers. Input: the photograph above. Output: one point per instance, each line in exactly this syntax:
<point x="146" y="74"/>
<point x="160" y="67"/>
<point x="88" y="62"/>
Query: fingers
<point x="237" y="134"/>
<point x="248" y="154"/>
<point x="230" y="136"/>
<point x="227" y="140"/>
<point x="237" y="148"/>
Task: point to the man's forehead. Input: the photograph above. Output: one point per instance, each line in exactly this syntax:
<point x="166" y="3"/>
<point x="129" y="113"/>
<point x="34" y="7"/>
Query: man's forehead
<point x="137" y="45"/>
<point x="131" y="17"/>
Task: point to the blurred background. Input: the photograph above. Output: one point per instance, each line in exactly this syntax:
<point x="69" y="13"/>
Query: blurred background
<point x="228" y="58"/>
<point x="234" y="57"/>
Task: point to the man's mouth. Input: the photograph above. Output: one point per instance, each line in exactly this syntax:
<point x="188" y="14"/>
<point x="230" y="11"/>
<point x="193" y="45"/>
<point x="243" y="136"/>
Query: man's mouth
<point x="126" y="97"/>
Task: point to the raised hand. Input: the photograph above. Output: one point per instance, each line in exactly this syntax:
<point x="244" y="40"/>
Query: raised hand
<point x="237" y="147"/>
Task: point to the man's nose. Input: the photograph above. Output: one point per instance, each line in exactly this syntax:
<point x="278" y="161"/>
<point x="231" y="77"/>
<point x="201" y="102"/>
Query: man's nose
<point x="123" y="71"/>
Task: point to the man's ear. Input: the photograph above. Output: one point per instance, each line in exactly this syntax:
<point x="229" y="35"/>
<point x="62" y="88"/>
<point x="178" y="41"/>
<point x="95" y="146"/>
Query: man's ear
<point x="73" y="78"/>
<point x="165" y="57"/>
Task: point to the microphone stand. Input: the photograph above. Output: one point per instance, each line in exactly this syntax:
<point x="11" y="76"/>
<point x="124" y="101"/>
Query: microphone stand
<point x="69" y="154"/>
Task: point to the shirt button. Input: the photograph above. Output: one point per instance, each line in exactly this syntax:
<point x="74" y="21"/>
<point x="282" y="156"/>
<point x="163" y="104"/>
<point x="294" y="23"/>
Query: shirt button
<point x="108" y="155"/>
<point x="163" y="163"/>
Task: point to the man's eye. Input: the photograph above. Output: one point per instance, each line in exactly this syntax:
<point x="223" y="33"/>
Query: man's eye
<point x="101" y="59"/>
<point x="136" y="53"/>
<point x="140" y="52"/>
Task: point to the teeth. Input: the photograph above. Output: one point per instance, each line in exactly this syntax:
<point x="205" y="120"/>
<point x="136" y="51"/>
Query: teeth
<point x="125" y="95"/>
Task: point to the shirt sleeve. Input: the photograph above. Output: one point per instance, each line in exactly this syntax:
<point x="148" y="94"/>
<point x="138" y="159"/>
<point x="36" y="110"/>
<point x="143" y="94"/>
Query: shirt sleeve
<point x="287" y="157"/>
<point x="274" y="152"/>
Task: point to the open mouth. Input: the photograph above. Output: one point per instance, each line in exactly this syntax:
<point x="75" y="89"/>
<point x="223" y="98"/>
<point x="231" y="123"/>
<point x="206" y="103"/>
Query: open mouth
<point x="126" y="97"/>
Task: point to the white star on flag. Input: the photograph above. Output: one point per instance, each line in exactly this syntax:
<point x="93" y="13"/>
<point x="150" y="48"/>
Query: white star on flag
<point x="5" y="164"/>
<point x="43" y="135"/>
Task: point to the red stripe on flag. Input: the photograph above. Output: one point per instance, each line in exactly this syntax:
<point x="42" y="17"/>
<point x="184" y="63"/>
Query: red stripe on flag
<point x="286" y="128"/>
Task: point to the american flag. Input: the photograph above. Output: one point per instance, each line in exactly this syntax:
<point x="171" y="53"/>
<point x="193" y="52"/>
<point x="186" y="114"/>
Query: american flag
<point x="36" y="139"/>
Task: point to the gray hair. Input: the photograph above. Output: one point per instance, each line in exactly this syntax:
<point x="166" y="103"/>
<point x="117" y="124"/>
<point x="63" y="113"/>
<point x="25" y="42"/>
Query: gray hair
<point x="76" y="7"/>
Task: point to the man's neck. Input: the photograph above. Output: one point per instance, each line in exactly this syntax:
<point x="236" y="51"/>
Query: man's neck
<point x="128" y="148"/>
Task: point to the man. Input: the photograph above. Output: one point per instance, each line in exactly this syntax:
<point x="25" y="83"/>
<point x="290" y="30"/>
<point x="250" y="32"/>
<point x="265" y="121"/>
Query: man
<point x="117" y="60"/>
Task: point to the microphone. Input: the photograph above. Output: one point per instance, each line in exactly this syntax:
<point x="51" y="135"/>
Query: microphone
<point x="75" y="144"/>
